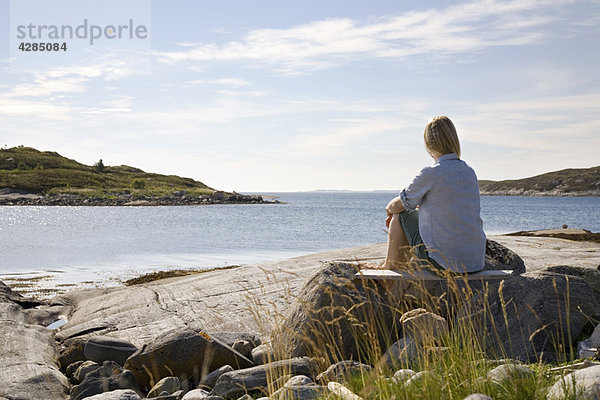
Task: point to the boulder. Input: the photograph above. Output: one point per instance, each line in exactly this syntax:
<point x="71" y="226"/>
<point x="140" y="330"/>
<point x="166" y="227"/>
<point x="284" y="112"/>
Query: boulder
<point x="589" y="275"/>
<point x="423" y="327"/>
<point x="107" y="377"/>
<point x="262" y="354"/>
<point x="529" y="316"/>
<point x="422" y="378"/>
<point x="170" y="384"/>
<point x="399" y="355"/>
<point x="402" y="375"/>
<point x="72" y="353"/>
<point x="103" y="348"/>
<point x="333" y="317"/>
<point x="299" y="387"/>
<point x="186" y="354"/>
<point x="196" y="394"/>
<point x="342" y="392"/>
<point x="341" y="371"/>
<point x="120" y="394"/>
<point x="210" y="380"/>
<point x="237" y="383"/>
<point x="499" y="257"/>
<point x="302" y="392"/>
<point x="508" y="372"/>
<point x="243" y="347"/>
<point x="71" y="369"/>
<point x="298" y="380"/>
<point x="583" y="384"/>
<point x="84" y="368"/>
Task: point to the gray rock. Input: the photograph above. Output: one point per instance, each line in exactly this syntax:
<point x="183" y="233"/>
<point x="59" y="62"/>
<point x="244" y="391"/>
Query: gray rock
<point x="72" y="353"/>
<point x="585" y="349"/>
<point x="423" y="327"/>
<point x="210" y="380"/>
<point x="240" y="382"/>
<point x="332" y="316"/>
<point x="299" y="387"/>
<point x="402" y="375"/>
<point x="179" y="393"/>
<point x="187" y="354"/>
<point x="103" y="348"/>
<point x="45" y="315"/>
<point x="243" y="347"/>
<point x="169" y="384"/>
<point x="196" y="394"/>
<point x="478" y="396"/>
<point x="341" y="371"/>
<point x="28" y="353"/>
<point x="499" y="257"/>
<point x="298" y="380"/>
<point x="583" y="384"/>
<point x="71" y="369"/>
<point x="262" y="354"/>
<point x="595" y="338"/>
<point x="538" y="313"/>
<point x="83" y="369"/>
<point x="400" y="354"/>
<point x="508" y="372"/>
<point x="342" y="391"/>
<point x="300" y="392"/>
<point x="229" y="338"/>
<point x="120" y="394"/>
<point x="165" y="396"/>
<point x="422" y="378"/>
<point x="106" y="378"/>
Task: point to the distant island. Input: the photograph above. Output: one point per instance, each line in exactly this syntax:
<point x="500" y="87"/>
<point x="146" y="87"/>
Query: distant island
<point x="566" y="182"/>
<point x="32" y="177"/>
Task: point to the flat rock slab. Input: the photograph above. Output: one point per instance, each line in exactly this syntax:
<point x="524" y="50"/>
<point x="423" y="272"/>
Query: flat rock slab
<point x="211" y="301"/>
<point x="28" y="359"/>
<point x="228" y="300"/>
<point x="540" y="252"/>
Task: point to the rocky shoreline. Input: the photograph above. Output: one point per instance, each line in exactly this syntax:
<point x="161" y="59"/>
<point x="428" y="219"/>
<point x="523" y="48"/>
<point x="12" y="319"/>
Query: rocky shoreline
<point x="243" y="333"/>
<point x="538" y="193"/>
<point x="11" y="197"/>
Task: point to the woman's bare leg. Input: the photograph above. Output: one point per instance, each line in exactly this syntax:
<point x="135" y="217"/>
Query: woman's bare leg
<point x="398" y="250"/>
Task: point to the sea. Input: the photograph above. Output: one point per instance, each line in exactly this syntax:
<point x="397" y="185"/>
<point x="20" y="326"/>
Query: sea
<point x="105" y="245"/>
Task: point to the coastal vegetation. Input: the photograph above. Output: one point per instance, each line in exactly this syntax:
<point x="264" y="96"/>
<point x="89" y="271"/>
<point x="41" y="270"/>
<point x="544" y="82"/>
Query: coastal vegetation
<point x="48" y="173"/>
<point x="566" y="182"/>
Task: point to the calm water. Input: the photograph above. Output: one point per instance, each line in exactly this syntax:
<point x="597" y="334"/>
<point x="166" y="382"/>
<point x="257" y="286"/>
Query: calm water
<point x="96" y="243"/>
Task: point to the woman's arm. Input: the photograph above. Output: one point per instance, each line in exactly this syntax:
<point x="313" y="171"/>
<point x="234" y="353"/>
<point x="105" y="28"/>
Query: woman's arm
<point x="395" y="206"/>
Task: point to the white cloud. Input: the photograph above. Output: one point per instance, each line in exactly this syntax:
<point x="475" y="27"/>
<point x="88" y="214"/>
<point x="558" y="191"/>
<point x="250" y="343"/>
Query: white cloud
<point x="235" y="82"/>
<point x="35" y="109"/>
<point x="324" y="44"/>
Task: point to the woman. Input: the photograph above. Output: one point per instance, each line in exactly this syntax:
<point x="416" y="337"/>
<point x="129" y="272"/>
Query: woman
<point x="446" y="231"/>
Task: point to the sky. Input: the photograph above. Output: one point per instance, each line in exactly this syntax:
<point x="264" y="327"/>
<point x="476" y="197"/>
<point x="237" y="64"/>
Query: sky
<point x="259" y="96"/>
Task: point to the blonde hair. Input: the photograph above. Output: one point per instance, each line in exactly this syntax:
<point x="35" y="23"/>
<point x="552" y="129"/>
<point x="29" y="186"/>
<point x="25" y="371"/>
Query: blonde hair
<point x="440" y="137"/>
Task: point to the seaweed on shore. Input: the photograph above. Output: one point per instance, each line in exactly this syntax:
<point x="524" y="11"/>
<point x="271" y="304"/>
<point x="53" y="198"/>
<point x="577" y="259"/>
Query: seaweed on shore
<point x="577" y="237"/>
<point x="158" y="275"/>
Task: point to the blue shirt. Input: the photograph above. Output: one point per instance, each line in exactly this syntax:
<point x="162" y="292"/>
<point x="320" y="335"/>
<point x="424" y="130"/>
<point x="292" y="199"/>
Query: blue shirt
<point x="447" y="194"/>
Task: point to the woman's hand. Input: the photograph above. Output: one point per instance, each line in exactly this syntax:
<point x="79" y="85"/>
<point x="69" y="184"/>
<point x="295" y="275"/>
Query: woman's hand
<point x="395" y="206"/>
<point x="387" y="221"/>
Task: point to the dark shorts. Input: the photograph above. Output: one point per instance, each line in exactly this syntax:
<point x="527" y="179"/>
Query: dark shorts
<point x="409" y="219"/>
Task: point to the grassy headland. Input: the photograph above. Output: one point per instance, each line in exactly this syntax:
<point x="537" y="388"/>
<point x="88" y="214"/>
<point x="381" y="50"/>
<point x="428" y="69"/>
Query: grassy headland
<point x="49" y="173"/>
<point x="566" y="182"/>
